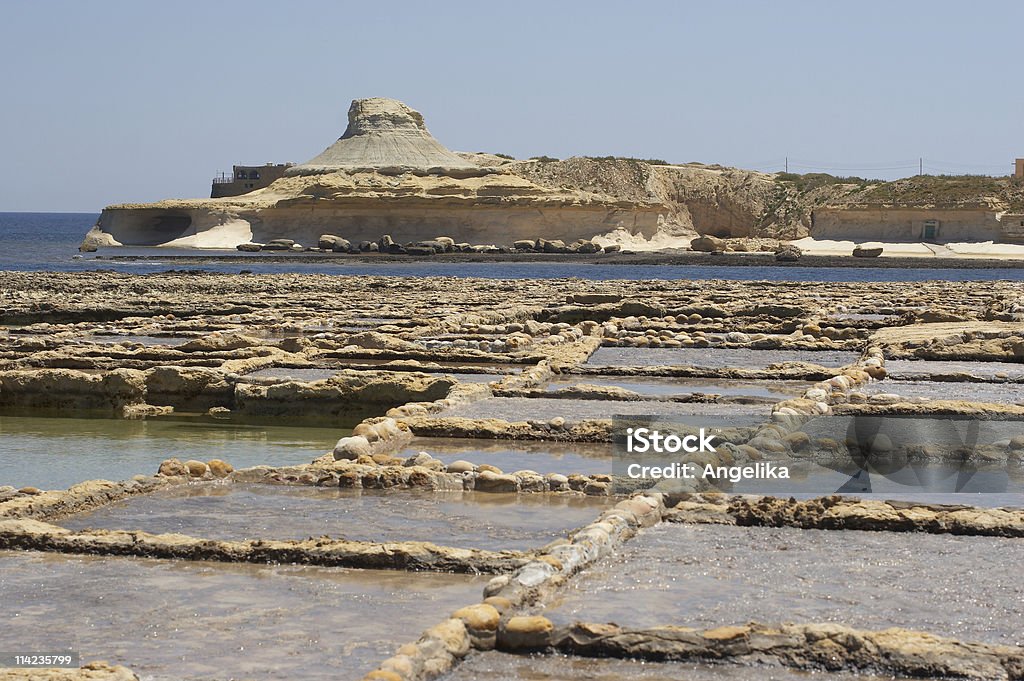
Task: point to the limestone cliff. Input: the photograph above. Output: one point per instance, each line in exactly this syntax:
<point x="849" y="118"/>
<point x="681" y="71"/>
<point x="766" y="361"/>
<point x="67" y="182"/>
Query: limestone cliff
<point x="385" y="175"/>
<point x="388" y="175"/>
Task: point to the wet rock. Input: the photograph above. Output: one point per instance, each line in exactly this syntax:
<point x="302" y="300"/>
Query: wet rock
<point x="250" y="247"/>
<point x="219" y="468"/>
<point x="524" y="633"/>
<point x="351" y="448"/>
<point x="452" y="635"/>
<point x="196" y="469"/>
<point x="481" y="622"/>
<point x="172" y="467"/>
<point x="487" y="481"/>
<point x="460" y="467"/>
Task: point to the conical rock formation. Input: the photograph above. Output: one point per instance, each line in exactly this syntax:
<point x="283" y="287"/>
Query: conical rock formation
<point x="387" y="136"/>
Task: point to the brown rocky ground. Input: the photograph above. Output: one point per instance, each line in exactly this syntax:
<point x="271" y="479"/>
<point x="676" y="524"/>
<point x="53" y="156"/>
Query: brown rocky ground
<point x="398" y="354"/>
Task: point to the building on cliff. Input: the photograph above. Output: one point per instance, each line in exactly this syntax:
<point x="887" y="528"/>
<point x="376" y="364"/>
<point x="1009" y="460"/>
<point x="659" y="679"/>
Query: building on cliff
<point x="244" y="179"/>
<point x="385" y="175"/>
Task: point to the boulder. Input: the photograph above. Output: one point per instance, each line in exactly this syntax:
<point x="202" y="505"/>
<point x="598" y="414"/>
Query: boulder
<point x="555" y="246"/>
<point x="278" y="245"/>
<point x="707" y="244"/>
<point x="219" y="468"/>
<point x="867" y="251"/>
<point x="328" y="241"/>
<point x="420" y="250"/>
<point x="612" y="248"/>
<point x="172" y="468"/>
<point x="460" y="466"/>
<point x="524" y="245"/>
<point x="351" y="448"/>
<point x="250" y="247"/>
<point x="589" y="247"/>
<point x="788" y="253"/>
<point x="438" y="246"/>
<point x="196" y="469"/>
<point x="525" y="633"/>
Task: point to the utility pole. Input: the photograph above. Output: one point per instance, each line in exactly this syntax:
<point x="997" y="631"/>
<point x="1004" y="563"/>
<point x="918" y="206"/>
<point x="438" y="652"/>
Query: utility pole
<point x="787" y="164"/>
<point x="920" y="166"/>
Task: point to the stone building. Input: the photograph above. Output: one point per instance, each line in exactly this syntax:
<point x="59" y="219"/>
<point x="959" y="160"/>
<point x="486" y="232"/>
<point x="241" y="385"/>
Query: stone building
<point x="244" y="179"/>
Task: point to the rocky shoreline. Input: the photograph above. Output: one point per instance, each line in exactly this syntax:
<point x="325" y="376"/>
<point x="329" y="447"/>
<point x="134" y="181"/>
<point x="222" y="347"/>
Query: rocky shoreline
<point x="675" y="258"/>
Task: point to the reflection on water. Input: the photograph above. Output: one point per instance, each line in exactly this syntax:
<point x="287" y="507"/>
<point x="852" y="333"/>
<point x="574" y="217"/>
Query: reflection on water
<point x="183" y="620"/>
<point x="1012" y="393"/>
<point x="243" y="511"/>
<point x="902" y="368"/>
<point x="53" y="453"/>
<point x="708" y="575"/>
<point x="664" y="387"/>
<point x="544" y="408"/>
<point x="511" y="456"/>
<point x="717" y="357"/>
<point x="494" y="666"/>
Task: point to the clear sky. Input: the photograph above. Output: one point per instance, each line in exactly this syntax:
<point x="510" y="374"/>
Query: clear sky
<point x="104" y="102"/>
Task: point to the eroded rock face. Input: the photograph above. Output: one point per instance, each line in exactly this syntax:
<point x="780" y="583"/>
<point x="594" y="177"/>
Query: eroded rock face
<point x="64" y="389"/>
<point x="385" y="175"/>
<point x="386" y="134"/>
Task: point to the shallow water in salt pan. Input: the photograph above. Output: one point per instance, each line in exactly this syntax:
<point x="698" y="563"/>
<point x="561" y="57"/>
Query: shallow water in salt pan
<point x="707" y="575"/>
<point x="185" y="620"/>
<point x="663" y="387"/>
<point x="716" y="357"/>
<point x="167" y="341"/>
<point x="903" y="368"/>
<point x="250" y="511"/>
<point x="494" y="666"/>
<point x="544" y="409"/>
<point x="1010" y="393"/>
<point x="511" y="456"/>
<point x="53" y="453"/>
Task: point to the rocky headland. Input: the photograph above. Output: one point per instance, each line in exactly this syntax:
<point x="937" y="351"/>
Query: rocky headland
<point x="387" y="185"/>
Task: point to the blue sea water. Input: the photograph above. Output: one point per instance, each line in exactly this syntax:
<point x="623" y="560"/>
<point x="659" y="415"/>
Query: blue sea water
<point x="49" y="242"/>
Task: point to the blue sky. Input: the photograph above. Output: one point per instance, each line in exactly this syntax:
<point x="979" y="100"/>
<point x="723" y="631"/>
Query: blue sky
<point x="107" y="102"/>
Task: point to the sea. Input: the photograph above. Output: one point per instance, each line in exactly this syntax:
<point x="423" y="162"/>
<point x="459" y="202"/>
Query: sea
<point x="49" y="242"/>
